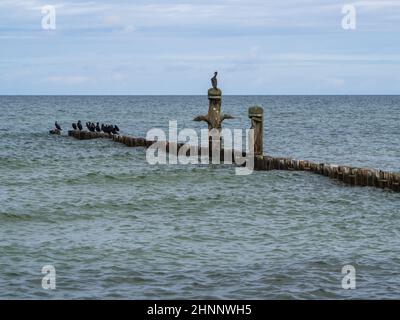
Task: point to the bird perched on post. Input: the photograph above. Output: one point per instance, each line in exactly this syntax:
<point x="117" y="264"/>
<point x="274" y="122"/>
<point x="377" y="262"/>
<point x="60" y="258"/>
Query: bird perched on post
<point x="58" y="127"/>
<point x="214" y="81"/>
<point x="214" y="117"/>
<point x="92" y="127"/>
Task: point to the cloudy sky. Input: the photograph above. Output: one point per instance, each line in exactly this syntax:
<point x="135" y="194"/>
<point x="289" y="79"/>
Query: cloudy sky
<point x="173" y="47"/>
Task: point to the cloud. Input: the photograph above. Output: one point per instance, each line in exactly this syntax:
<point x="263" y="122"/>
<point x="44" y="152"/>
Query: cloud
<point x="376" y="5"/>
<point x="160" y="44"/>
<point x="205" y="17"/>
<point x="69" y="80"/>
<point x="337" y="83"/>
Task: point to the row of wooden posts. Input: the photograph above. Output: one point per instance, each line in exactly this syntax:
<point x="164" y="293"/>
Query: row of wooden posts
<point x="214" y="119"/>
<point x="130" y="141"/>
<point x="348" y="175"/>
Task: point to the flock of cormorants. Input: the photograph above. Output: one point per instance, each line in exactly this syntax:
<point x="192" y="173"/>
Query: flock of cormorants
<point x="92" y="127"/>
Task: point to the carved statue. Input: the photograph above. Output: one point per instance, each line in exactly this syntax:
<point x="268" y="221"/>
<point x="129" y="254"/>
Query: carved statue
<point x="214" y="81"/>
<point x="214" y="117"/>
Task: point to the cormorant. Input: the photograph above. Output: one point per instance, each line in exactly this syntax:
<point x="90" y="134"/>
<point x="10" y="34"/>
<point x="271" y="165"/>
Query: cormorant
<point x="80" y="125"/>
<point x="107" y="129"/>
<point x="57" y="126"/>
<point x="91" y="127"/>
<point x="74" y="126"/>
<point x="214" y="81"/>
<point x="98" y="127"/>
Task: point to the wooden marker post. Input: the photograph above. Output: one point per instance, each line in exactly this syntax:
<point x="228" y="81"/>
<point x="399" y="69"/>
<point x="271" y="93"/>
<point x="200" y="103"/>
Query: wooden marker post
<point x="214" y="117"/>
<point x="256" y="114"/>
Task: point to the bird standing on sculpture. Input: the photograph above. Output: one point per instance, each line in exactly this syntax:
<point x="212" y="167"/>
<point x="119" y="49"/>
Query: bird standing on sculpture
<point x="214" y="81"/>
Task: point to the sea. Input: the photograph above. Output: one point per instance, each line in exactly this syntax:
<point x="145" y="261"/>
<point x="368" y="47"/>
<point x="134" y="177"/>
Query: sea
<point x="109" y="225"/>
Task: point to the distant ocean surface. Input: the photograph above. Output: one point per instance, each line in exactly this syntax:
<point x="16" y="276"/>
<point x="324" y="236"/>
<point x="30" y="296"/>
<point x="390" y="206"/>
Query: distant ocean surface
<point x="115" y="227"/>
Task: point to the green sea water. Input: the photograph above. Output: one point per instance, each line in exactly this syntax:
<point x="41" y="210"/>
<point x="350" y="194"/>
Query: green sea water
<point x="115" y="227"/>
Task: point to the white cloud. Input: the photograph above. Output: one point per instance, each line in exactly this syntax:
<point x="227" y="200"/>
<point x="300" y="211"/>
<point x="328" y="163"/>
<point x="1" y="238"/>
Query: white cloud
<point x="336" y="82"/>
<point x="69" y="80"/>
<point x="171" y="42"/>
<point x="376" y="5"/>
<point x="203" y="15"/>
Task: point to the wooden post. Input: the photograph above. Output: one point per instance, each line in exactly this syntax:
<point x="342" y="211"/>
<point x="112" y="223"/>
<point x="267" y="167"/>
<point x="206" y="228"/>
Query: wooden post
<point x="256" y="114"/>
<point x="396" y="182"/>
<point x="214" y="108"/>
<point x="214" y="117"/>
<point x="55" y="131"/>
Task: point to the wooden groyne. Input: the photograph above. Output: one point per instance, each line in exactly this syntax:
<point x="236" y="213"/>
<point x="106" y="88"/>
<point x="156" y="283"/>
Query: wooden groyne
<point x="346" y="174"/>
<point x="87" y="135"/>
<point x="174" y="147"/>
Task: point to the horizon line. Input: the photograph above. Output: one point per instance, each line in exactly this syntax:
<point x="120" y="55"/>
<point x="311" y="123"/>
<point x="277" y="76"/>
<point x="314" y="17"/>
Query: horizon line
<point x="184" y="95"/>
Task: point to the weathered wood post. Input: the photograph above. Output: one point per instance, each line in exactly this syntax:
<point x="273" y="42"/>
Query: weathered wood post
<point x="214" y="117"/>
<point x="256" y="114"/>
<point x="55" y="131"/>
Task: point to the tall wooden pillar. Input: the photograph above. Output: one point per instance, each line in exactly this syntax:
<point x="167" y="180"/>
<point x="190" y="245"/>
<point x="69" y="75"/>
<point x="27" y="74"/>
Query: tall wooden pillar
<point x="214" y="118"/>
<point x="256" y="114"/>
<point x="214" y="109"/>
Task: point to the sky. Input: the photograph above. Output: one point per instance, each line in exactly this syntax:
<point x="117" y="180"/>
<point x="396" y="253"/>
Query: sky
<point x="165" y="47"/>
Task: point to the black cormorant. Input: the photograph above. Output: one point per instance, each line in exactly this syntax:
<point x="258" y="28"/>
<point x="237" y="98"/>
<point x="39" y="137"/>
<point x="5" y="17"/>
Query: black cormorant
<point x="58" y="127"/>
<point x="214" y="81"/>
